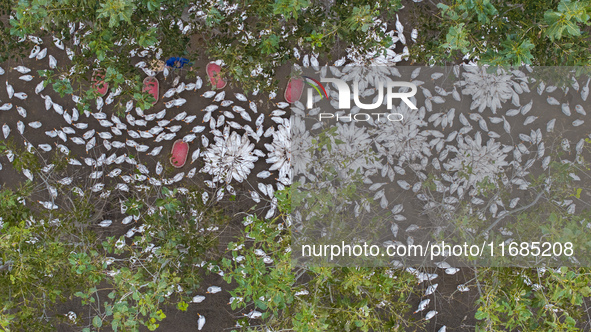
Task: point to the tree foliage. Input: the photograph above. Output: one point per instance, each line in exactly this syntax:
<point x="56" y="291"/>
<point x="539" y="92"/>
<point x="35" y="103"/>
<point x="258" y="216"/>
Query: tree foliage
<point x="505" y="33"/>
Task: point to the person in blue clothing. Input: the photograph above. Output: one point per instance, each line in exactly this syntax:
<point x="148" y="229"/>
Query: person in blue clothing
<point x="176" y="62"/>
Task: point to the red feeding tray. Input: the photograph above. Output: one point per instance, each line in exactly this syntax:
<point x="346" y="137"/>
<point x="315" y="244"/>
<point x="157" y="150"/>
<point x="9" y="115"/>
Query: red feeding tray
<point x="180" y="150"/>
<point x="294" y="89"/>
<point x="98" y="82"/>
<point x="152" y="86"/>
<point x="213" y="72"/>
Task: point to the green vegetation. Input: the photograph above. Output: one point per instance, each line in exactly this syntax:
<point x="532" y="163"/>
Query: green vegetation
<point x="533" y="299"/>
<point x="48" y="256"/>
<point x="309" y="298"/>
<point x="545" y="33"/>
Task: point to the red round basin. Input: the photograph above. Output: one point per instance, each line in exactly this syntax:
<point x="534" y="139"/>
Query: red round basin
<point x="294" y="89"/>
<point x="213" y="72"/>
<point x="98" y="82"/>
<point x="152" y="86"/>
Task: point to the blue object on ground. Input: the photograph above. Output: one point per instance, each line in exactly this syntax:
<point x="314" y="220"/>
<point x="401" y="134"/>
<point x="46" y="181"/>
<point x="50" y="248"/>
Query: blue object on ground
<point x="176" y="62"/>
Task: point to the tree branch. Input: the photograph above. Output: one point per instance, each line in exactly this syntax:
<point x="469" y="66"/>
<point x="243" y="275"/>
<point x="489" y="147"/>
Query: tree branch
<point x="512" y="212"/>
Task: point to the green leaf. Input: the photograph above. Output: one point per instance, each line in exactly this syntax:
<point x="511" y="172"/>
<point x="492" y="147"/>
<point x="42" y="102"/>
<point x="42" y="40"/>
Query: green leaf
<point x="289" y="8"/>
<point x="578" y="193"/>
<point x="116" y="11"/>
<point x="270" y="44"/>
<point x="63" y="87"/>
<point x="97" y="321"/>
<point x="182" y="306"/>
<point x="260" y="304"/>
<point x="517" y="51"/>
<point x="361" y="18"/>
<point x="564" y="21"/>
<point x="485" y="10"/>
<point x="456" y="38"/>
<point x="480" y="315"/>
